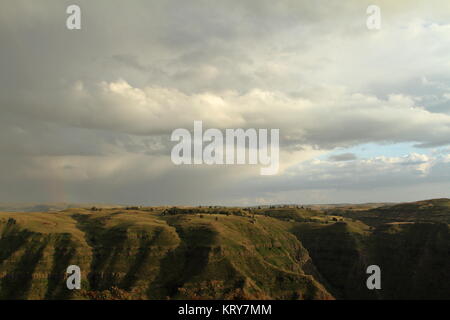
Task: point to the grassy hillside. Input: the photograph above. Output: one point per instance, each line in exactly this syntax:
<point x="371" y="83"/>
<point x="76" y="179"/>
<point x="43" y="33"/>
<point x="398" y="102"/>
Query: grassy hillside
<point x="227" y="253"/>
<point x="436" y="210"/>
<point x="35" y="250"/>
<point x="414" y="258"/>
<point x="145" y="254"/>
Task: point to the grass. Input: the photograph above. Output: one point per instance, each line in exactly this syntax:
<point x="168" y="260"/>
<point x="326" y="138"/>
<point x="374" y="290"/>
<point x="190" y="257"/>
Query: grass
<point x="226" y="253"/>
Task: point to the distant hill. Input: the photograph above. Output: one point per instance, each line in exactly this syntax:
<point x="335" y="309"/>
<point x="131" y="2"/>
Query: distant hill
<point x="227" y="253"/>
<point x="435" y="210"/>
<point x="47" y="207"/>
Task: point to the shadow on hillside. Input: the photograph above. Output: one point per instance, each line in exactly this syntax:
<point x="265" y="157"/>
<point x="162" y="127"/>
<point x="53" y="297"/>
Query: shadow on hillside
<point x="107" y="247"/>
<point x="63" y="254"/>
<point x="182" y="264"/>
<point x="17" y="284"/>
<point x="140" y="260"/>
<point x="12" y="239"/>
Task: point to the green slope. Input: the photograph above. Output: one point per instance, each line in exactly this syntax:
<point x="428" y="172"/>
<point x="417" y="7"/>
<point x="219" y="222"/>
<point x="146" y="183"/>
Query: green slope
<point x="142" y="254"/>
<point x="227" y="253"/>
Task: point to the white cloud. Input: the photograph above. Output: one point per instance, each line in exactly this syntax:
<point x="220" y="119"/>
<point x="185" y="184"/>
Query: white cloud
<point x="334" y="118"/>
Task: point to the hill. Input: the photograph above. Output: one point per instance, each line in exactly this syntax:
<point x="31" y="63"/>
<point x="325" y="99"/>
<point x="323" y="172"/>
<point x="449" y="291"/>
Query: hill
<point x="435" y="210"/>
<point x="228" y="253"/>
<point x="148" y="254"/>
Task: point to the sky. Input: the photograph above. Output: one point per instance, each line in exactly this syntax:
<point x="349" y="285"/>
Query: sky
<point x="86" y="115"/>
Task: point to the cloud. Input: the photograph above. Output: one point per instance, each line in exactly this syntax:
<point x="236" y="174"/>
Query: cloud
<point x="90" y="112"/>
<point x="411" y="177"/>
<point x="333" y="119"/>
<point x="343" y="157"/>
